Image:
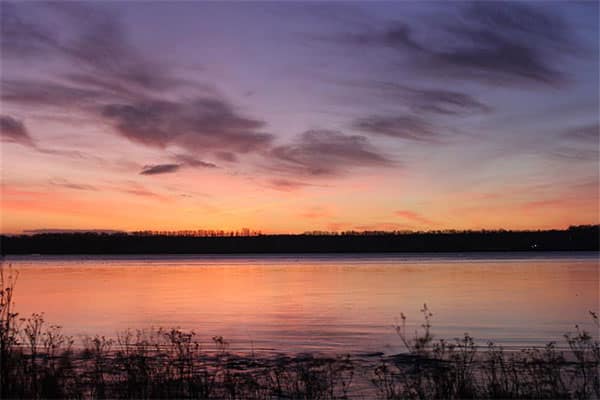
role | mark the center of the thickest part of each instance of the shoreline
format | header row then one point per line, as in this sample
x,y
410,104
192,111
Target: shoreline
x,y
585,238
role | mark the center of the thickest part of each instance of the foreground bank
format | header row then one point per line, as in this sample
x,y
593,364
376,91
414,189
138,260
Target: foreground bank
x,y
38,361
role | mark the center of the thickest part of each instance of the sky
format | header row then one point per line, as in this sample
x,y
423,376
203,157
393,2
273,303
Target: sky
x,y
293,117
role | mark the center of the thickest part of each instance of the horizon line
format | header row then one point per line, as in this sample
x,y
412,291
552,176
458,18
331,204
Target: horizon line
x,y
246,232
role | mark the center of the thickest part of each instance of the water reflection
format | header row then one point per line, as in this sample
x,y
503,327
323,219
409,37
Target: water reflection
x,y
313,303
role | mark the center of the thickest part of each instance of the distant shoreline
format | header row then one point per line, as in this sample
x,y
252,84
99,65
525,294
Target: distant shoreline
x,y
416,255
583,238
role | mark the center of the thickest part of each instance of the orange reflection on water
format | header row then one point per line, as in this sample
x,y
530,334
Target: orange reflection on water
x,y
313,303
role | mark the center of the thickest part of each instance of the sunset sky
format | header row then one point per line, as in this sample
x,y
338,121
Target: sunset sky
x,y
299,116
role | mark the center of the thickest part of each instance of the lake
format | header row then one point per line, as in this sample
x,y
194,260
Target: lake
x,y
315,303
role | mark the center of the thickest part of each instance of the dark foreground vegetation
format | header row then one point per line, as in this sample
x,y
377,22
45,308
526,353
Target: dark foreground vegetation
x,y
204,242
39,361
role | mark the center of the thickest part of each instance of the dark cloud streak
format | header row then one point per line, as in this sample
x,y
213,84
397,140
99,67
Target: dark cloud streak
x,y
14,130
439,101
421,100
407,127
70,185
193,162
326,153
200,124
491,42
159,169
287,185
48,94
589,132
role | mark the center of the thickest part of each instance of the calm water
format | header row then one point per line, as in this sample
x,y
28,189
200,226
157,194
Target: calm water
x,y
315,303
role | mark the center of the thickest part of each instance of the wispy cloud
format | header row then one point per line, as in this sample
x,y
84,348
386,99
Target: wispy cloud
x,y
142,192
159,169
441,101
48,94
193,161
14,130
490,42
226,156
316,212
200,124
287,185
99,46
115,83
72,185
408,127
414,217
589,132
326,153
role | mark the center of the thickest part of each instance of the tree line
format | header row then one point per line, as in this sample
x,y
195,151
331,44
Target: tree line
x,y
575,238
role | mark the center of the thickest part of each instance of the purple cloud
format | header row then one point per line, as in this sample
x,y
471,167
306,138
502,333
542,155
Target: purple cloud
x,y
13,130
408,127
159,169
324,152
200,124
491,42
